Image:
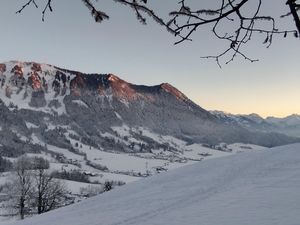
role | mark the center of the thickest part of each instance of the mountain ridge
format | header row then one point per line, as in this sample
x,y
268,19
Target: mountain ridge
x,y
62,103
289,125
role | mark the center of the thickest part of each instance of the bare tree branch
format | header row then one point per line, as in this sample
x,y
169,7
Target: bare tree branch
x,y
294,7
98,15
27,4
186,21
48,6
230,12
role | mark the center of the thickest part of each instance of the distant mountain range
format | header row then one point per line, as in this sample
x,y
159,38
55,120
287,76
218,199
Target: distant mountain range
x,y
41,103
289,125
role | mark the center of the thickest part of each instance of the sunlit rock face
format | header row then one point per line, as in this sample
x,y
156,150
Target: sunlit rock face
x,y
44,102
2,67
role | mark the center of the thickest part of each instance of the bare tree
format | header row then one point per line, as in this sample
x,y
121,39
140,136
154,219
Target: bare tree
x,y
48,191
21,185
41,181
243,20
51,195
32,189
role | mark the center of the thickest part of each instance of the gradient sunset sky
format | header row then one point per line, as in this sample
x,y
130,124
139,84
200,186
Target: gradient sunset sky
x,y
140,54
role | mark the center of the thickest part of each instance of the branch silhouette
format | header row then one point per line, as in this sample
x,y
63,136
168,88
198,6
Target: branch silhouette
x,y
185,21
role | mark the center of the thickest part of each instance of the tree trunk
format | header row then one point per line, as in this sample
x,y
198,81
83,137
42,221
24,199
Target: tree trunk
x,y
40,210
22,208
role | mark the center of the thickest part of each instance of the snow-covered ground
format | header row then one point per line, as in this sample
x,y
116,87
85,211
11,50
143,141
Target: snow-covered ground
x,y
257,187
128,167
124,168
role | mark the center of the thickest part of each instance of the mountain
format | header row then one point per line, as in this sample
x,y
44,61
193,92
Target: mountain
x,y
43,105
249,188
289,125
292,120
252,121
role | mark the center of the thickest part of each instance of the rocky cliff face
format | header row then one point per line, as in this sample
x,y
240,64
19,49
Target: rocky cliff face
x,y
41,103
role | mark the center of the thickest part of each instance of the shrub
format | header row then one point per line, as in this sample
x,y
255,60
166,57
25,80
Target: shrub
x,y
74,175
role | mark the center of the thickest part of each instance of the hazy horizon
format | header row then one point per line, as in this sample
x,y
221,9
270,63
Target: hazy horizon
x,y
146,55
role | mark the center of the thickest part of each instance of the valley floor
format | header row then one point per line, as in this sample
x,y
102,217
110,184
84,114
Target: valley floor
x,y
124,167
261,187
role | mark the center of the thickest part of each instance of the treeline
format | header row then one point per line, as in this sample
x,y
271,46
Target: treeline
x,y
5,165
73,175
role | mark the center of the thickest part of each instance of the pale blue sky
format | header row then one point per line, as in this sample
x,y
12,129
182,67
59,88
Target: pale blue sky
x,y
141,54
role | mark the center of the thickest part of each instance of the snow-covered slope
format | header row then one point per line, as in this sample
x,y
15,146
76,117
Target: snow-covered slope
x,y
260,187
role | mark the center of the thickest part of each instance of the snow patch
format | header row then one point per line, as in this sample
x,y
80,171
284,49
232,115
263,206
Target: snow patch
x,y
30,125
118,116
80,103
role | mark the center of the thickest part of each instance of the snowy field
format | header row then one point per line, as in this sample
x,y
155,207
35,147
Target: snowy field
x,y
128,167
125,167
257,187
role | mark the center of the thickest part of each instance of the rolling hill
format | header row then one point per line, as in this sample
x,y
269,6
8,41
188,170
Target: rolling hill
x,y
259,187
